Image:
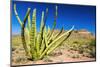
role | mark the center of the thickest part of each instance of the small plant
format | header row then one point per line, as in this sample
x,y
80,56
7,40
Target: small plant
x,y
89,49
92,47
40,44
75,56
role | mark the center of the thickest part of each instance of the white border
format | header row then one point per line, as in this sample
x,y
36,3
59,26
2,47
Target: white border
x,y
84,2
5,32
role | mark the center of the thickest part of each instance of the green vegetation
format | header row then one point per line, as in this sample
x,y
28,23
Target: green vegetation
x,y
83,46
37,45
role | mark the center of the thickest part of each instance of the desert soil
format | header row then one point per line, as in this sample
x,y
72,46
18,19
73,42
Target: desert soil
x,y
58,56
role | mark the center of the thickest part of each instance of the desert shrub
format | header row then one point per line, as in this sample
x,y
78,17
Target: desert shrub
x,y
56,52
20,59
75,31
93,42
76,42
75,55
89,51
76,46
93,52
92,47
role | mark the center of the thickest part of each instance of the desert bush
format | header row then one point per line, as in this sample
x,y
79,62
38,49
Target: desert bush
x,y
75,31
80,46
20,59
76,46
92,47
92,42
55,53
89,51
75,55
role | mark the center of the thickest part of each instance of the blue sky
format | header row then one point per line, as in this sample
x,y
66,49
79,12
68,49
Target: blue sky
x,y
82,17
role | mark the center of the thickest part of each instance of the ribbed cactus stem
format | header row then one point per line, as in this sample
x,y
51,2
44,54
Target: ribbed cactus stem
x,y
54,24
58,34
42,21
33,35
54,42
46,15
41,30
55,46
22,33
29,23
27,30
45,37
56,11
20,22
37,45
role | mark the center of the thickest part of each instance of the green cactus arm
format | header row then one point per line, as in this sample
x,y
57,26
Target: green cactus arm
x,y
42,47
54,36
15,11
54,42
45,37
22,33
44,43
37,44
48,31
29,23
42,21
56,11
33,29
43,27
27,14
33,35
45,18
50,39
27,29
51,33
59,43
54,24
20,22
58,34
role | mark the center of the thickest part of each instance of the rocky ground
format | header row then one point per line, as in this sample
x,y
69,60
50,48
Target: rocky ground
x,y
58,56
77,48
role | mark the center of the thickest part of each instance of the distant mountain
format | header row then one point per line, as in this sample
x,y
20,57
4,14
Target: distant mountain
x,y
82,33
76,34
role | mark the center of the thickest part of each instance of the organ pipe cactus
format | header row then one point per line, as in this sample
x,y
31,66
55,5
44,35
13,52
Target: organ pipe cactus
x,y
44,42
